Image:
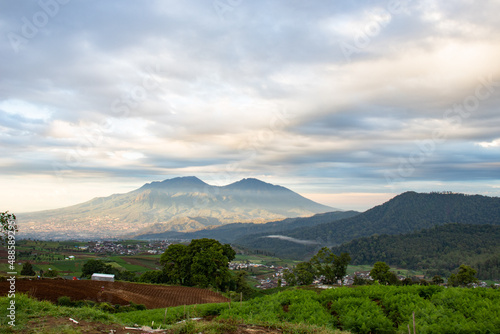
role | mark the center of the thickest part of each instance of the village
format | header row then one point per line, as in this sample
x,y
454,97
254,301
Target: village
x,y
273,277
119,248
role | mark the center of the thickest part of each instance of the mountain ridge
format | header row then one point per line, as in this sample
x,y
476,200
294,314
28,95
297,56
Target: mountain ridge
x,y
177,204
405,213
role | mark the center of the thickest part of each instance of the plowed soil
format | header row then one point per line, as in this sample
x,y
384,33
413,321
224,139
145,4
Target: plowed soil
x,y
152,296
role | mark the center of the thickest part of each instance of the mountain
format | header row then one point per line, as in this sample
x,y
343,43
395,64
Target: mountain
x,y
404,213
231,232
178,204
441,249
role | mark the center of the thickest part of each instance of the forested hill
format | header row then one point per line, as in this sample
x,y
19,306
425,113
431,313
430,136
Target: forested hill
x,y
231,232
445,247
404,213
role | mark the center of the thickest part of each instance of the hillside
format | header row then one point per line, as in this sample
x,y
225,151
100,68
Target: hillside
x,y
231,232
178,204
445,247
404,213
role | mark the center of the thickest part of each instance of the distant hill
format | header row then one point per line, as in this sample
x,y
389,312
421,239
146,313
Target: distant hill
x,y
231,232
404,213
445,247
178,204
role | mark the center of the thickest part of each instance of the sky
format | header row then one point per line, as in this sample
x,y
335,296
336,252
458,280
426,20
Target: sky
x,y
347,103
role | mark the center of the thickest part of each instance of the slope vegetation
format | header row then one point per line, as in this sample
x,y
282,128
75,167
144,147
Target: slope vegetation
x,y
445,247
405,213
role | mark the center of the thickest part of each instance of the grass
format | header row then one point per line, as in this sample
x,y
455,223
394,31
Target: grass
x,y
263,259
173,315
118,261
30,309
367,309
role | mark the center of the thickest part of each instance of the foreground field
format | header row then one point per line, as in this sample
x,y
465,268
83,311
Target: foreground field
x,y
152,296
368,309
33,317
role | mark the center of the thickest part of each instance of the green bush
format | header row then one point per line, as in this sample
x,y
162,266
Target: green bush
x,y
65,301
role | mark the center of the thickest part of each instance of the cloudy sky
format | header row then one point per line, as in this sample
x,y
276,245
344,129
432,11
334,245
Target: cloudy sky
x,y
348,103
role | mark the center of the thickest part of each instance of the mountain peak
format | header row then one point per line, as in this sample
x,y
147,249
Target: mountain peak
x,y
176,183
253,184
184,179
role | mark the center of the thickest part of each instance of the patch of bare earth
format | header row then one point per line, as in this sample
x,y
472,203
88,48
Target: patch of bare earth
x,y
150,295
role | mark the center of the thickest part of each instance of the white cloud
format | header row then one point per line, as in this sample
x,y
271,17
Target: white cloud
x,y
494,143
263,90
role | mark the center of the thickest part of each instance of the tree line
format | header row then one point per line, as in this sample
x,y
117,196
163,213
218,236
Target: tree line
x,y
439,250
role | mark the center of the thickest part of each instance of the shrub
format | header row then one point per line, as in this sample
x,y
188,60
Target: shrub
x,y
65,301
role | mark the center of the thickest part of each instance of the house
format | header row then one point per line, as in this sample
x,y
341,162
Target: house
x,y
103,277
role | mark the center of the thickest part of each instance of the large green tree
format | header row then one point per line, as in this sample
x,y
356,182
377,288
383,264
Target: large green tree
x,y
204,262
465,276
380,272
330,266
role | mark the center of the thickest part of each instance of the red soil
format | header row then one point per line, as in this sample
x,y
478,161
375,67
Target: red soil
x,y
152,296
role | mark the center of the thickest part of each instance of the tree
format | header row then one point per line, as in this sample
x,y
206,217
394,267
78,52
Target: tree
x,y
436,280
332,267
465,276
380,272
323,263
340,265
27,269
51,273
8,226
154,276
177,264
204,262
241,284
96,266
289,277
304,273
126,275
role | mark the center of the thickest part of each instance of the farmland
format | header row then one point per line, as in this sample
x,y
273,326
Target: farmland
x,y
372,309
368,309
68,257
122,293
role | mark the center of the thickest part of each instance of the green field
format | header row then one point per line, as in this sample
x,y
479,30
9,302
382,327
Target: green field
x,y
52,254
266,260
371,309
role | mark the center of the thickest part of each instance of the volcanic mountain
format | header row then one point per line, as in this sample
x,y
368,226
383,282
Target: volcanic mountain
x,y
178,204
